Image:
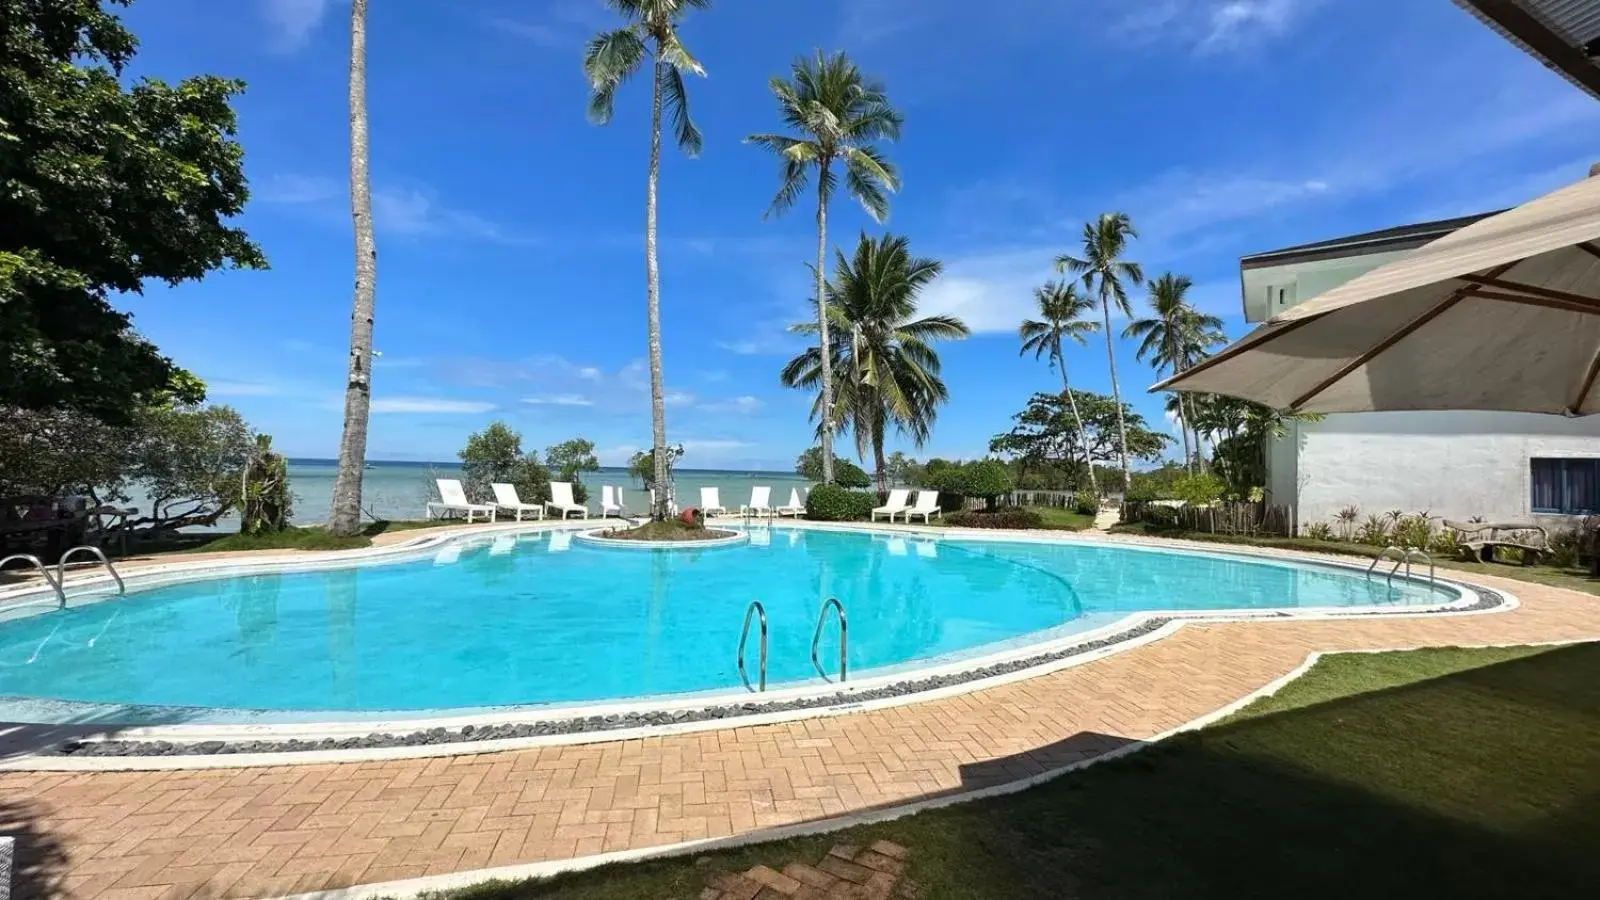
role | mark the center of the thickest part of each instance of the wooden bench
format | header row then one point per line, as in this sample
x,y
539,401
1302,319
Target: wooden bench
x,y
1478,540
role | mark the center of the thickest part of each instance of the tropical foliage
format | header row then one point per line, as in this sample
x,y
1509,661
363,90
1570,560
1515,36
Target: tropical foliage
x,y
1046,434
612,57
1062,318
833,503
845,473
840,115
881,348
109,182
1106,275
1174,337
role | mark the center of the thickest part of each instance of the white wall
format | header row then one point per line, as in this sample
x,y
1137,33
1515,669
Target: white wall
x,y
1452,464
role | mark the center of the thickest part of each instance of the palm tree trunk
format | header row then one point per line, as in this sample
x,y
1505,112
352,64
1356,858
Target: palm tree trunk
x,y
1116,397
1083,436
345,515
877,454
652,272
822,325
1183,428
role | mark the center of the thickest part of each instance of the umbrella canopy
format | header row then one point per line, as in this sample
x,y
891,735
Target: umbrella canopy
x,y
1503,314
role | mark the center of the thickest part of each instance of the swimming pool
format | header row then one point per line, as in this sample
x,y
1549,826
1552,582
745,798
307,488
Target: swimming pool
x,y
536,618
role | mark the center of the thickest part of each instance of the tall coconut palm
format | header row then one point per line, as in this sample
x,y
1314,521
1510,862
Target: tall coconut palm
x,y
345,515
611,58
841,114
889,372
1175,337
1062,317
1104,271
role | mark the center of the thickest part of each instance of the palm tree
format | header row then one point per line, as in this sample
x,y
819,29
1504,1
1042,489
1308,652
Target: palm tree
x,y
1103,271
889,372
1062,315
1174,338
841,113
344,517
611,58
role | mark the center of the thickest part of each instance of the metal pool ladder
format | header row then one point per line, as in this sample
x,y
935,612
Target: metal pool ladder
x,y
844,637
51,580
1401,556
61,566
755,609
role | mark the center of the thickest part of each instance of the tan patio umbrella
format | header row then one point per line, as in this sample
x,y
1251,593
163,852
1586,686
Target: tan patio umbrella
x,y
1503,314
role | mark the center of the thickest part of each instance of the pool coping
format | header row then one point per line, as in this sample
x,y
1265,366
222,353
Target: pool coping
x,y
692,713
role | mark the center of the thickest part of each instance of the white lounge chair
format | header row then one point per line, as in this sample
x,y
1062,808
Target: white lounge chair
x,y
794,507
760,502
610,501
710,503
894,506
453,498
927,506
561,500
505,497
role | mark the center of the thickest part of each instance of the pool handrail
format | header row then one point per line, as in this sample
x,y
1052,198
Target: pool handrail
x,y
755,608
61,565
37,564
844,637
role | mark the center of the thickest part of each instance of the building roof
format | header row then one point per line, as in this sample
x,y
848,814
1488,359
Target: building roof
x,y
1562,34
1384,240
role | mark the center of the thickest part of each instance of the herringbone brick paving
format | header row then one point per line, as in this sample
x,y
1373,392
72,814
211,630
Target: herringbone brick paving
x,y
273,831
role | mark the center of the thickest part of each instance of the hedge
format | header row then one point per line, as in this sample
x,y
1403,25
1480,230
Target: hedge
x,y
1007,517
831,503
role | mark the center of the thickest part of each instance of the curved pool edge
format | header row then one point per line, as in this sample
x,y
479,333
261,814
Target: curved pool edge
x,y
437,734
731,538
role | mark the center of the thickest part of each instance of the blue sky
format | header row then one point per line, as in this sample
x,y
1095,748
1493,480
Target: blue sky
x,y
511,276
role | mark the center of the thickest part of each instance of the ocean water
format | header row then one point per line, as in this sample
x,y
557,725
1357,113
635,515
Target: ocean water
x,y
398,490
542,617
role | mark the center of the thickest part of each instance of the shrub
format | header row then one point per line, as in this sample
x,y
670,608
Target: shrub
x,y
1443,542
831,503
1008,517
1088,504
1374,531
1199,490
1564,546
846,474
1319,531
1413,531
986,478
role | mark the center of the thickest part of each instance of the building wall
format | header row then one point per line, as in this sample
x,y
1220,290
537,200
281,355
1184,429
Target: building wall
x,y
1451,464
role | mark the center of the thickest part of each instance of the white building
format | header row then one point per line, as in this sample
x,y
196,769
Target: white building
x,y
1501,466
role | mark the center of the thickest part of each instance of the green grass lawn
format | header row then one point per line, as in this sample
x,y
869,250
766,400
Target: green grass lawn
x,y
1573,577
1433,773
313,537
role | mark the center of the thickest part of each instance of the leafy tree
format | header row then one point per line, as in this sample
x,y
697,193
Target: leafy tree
x,y
1062,317
846,474
610,59
344,517
190,461
900,467
54,452
1046,432
106,185
884,352
986,478
495,455
1174,338
643,465
570,458
841,114
1103,271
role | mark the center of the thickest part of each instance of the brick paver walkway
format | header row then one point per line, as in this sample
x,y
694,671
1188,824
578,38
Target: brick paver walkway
x,y
271,831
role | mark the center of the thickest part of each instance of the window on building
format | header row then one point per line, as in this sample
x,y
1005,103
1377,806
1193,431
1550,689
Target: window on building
x,y
1566,486
1280,297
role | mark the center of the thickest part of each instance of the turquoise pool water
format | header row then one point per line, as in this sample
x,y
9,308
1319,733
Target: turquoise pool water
x,y
541,619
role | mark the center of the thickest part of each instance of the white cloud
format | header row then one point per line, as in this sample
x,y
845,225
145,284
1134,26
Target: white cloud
x,y
559,400
768,338
225,388
1211,26
590,373
714,447
403,211
293,21
677,398
561,25
428,405
745,404
990,292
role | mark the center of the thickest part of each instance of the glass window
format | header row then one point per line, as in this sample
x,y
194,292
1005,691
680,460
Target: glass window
x,y
1566,486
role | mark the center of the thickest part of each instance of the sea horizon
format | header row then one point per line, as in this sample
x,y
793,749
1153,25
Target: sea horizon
x,y
456,464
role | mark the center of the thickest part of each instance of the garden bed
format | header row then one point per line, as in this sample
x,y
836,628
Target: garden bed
x,y
666,530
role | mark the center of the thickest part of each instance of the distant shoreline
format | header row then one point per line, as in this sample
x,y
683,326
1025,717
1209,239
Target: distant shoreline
x,y
456,464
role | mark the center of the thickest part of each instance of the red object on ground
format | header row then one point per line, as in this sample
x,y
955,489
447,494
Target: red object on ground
x,y
688,516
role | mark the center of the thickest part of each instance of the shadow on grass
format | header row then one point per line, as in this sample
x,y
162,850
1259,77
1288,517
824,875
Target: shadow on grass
x,y
1483,783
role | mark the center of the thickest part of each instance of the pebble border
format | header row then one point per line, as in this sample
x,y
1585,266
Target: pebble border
x,y
1486,600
